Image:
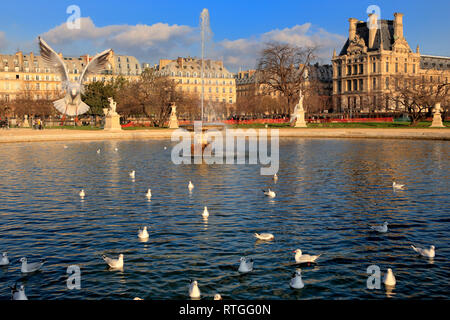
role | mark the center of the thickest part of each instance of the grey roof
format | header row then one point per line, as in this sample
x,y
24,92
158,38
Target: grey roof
x,y
434,62
384,36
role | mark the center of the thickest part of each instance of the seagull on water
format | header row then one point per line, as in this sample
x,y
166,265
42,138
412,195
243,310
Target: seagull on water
x,y
82,194
115,149
205,213
132,174
383,228
389,278
18,293
429,253
264,236
98,151
397,186
4,261
275,177
269,193
30,267
194,291
304,258
246,265
114,263
190,186
149,193
143,233
217,296
137,298
296,280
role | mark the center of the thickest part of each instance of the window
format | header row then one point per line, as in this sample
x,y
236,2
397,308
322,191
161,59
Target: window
x,y
374,83
361,69
374,67
414,68
387,83
396,67
339,86
355,71
349,85
339,70
355,85
361,84
387,66
349,70
406,68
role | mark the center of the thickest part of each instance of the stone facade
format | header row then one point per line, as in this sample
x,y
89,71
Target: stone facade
x,y
219,85
26,72
370,57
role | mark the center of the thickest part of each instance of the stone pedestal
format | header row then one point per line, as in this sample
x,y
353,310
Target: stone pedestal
x,y
437,119
300,120
173,120
112,122
25,124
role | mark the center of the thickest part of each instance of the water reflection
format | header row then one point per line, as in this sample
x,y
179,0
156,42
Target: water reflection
x,y
328,192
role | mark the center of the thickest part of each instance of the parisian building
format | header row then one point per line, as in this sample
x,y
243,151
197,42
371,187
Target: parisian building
x,y
370,58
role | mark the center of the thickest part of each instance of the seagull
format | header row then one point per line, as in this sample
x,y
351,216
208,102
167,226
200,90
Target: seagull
x,y
245,266
296,282
71,104
190,186
165,148
143,233
65,147
205,213
4,261
217,296
383,228
264,236
149,193
115,149
137,298
397,186
82,194
30,267
132,174
275,177
429,253
114,263
98,151
304,258
389,278
18,294
194,291
269,193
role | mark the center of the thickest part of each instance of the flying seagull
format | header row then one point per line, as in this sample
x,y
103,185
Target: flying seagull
x,y
71,104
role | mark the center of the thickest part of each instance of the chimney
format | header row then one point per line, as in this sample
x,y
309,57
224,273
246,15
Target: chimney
x,y
373,27
398,25
180,62
352,28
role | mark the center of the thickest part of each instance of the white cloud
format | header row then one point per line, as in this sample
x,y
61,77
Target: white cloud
x,y
245,52
149,43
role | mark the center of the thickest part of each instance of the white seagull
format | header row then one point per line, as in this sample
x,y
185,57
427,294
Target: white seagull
x,y
115,149
296,280
190,186
245,266
143,233
264,236
82,193
304,258
275,177
132,174
205,213
269,193
194,291
383,228
114,263
30,267
4,261
98,151
429,253
397,186
149,193
18,293
217,296
389,278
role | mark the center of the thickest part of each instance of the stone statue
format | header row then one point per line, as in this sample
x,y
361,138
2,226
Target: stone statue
x,y
437,118
112,105
173,120
299,113
112,118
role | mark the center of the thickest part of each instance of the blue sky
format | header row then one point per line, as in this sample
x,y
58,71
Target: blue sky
x,y
151,30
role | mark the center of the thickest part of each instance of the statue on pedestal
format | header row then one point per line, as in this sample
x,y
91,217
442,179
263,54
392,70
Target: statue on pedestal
x,y
112,118
437,119
173,120
25,124
299,114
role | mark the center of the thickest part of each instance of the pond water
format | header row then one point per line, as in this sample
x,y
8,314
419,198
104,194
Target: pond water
x,y
329,191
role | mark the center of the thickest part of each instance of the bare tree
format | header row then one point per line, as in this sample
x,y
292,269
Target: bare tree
x,y
417,94
282,68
